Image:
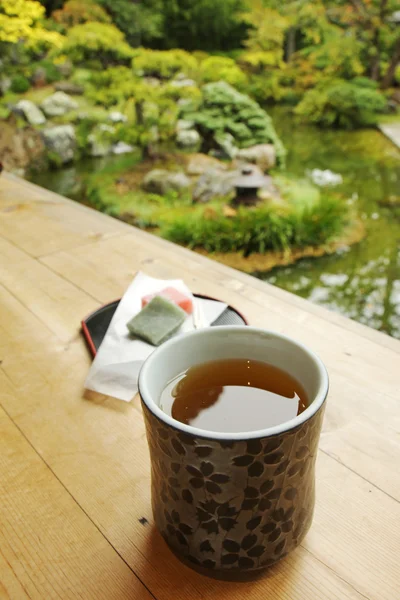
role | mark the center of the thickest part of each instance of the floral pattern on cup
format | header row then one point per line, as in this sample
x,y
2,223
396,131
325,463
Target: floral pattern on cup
x,y
233,505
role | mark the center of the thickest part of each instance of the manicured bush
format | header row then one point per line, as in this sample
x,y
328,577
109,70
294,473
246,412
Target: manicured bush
x,y
221,68
163,64
224,110
340,103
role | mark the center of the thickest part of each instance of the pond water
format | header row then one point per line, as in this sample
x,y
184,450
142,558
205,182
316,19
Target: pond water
x,y
361,282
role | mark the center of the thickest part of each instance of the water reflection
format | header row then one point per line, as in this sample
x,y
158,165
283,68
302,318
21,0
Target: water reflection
x,y
362,282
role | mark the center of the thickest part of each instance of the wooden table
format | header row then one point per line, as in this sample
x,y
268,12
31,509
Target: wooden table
x,y
75,516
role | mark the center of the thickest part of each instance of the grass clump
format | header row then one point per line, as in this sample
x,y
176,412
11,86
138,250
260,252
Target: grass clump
x,y
261,229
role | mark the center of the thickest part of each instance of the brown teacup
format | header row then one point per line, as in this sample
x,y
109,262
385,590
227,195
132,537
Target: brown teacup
x,y
230,503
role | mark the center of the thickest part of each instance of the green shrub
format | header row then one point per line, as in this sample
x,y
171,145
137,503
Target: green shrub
x,y
75,12
220,68
19,84
224,110
261,229
97,41
258,62
163,64
340,103
52,73
111,86
189,92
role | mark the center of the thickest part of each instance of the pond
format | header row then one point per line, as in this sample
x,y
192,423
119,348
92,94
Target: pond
x,y
361,282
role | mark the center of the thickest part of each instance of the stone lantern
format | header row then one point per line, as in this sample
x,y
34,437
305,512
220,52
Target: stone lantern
x,y
247,184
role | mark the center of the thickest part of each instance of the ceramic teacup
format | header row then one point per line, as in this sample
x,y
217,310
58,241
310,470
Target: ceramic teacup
x,y
233,502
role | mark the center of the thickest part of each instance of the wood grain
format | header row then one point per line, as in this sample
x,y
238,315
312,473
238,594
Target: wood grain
x,y
94,482
48,547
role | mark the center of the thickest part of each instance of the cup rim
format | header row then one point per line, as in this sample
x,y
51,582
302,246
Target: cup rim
x,y
306,415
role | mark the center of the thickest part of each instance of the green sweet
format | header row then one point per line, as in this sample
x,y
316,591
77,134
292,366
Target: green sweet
x,y
157,321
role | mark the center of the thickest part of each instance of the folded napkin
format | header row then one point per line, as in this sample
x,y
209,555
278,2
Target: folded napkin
x,y
115,369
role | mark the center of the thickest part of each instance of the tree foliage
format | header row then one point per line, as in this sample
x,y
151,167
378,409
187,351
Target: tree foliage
x,y
142,22
99,42
340,103
204,24
21,21
75,12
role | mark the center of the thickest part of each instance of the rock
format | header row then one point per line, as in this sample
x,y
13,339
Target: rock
x,y
263,155
39,77
184,103
325,177
122,148
65,68
188,138
214,183
227,144
20,147
181,83
117,117
201,163
183,125
100,140
31,112
58,104
5,84
161,181
69,88
61,141
153,81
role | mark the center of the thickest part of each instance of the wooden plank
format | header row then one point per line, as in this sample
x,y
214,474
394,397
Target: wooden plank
x,y
48,547
55,301
98,451
40,222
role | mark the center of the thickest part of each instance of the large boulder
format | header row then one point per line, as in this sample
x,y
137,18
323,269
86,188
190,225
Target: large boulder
x,y
161,181
117,117
20,147
100,140
188,138
58,104
61,142
263,155
65,68
5,84
31,112
123,148
226,145
183,125
69,88
201,163
214,183
182,83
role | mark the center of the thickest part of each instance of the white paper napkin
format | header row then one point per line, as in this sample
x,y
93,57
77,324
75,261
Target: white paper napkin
x,y
115,369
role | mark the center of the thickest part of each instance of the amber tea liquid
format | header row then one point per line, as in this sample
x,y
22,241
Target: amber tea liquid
x,y
233,395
